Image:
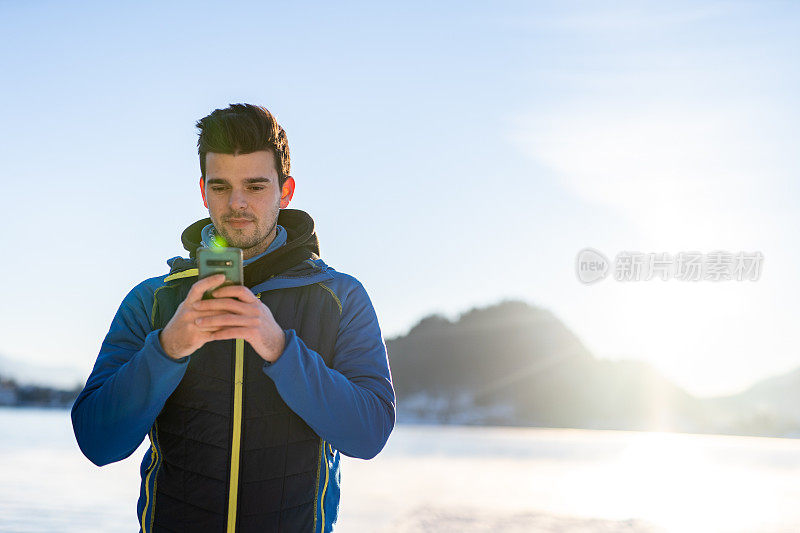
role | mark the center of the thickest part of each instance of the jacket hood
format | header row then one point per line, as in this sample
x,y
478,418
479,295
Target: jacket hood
x,y
301,244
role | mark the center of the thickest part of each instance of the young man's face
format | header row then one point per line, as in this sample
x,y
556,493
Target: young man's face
x,y
243,198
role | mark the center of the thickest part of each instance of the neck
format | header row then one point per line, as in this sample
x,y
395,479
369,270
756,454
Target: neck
x,y
261,247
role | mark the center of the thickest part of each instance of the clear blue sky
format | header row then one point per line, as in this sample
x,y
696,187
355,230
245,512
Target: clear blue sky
x,y
452,155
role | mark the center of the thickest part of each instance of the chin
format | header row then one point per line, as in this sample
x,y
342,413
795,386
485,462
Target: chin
x,y
245,244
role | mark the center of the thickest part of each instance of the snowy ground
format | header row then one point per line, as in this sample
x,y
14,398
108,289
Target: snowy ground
x,y
454,479
429,519
526,479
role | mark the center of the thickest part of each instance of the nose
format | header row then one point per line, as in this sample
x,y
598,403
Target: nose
x,y
237,201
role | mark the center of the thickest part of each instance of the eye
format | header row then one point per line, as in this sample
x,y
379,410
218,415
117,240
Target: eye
x,y
257,188
218,188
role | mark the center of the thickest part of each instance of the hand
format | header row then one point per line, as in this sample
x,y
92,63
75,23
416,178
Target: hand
x,y
181,336
236,313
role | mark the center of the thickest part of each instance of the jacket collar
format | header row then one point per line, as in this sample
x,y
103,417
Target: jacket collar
x,y
297,259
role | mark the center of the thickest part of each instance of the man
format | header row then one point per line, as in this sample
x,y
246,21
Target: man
x,y
248,398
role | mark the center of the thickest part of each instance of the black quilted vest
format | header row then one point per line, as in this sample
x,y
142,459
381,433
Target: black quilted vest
x,y
278,475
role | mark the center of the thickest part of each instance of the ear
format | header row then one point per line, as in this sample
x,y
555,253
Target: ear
x,y
287,191
203,191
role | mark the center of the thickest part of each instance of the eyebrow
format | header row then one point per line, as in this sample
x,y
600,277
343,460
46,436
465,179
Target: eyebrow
x,y
223,181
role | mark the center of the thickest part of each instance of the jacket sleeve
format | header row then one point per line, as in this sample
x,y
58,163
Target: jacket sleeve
x,y
131,380
351,405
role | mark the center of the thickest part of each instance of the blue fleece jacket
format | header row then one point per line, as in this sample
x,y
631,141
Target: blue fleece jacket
x,y
351,405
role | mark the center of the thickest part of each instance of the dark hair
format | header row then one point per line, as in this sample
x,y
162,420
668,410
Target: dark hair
x,y
243,129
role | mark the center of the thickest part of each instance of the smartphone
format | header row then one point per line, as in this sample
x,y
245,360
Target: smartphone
x,y
226,261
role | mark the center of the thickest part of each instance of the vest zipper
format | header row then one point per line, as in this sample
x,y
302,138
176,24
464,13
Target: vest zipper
x,y
236,441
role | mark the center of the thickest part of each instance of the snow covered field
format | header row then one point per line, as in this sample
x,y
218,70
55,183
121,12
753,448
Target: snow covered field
x,y
443,479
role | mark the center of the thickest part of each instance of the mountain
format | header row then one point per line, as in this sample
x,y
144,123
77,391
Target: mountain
x,y
517,364
770,407
513,363
13,394
24,372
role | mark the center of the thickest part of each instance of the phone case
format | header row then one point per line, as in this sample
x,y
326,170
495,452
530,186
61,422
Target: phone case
x,y
226,261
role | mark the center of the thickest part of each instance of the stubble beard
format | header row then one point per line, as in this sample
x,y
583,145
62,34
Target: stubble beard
x,y
252,244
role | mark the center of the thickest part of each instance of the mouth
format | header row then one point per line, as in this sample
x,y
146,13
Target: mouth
x,y
239,222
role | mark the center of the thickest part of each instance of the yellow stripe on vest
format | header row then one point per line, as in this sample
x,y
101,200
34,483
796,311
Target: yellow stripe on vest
x,y
324,487
153,460
236,443
184,274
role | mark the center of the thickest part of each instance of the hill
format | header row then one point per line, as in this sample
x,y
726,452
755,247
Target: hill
x,y
517,364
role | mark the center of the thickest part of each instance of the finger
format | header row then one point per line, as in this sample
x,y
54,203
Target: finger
x,y
229,305
201,286
226,320
231,333
194,314
209,330
236,291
